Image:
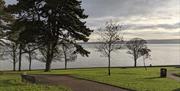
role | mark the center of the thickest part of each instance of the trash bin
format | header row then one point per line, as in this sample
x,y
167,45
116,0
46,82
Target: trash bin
x,y
163,72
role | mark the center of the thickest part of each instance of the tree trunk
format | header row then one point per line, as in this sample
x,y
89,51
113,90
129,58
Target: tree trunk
x,y
20,53
30,61
65,62
14,60
48,63
48,66
109,60
14,65
144,63
65,57
135,58
135,62
49,58
109,64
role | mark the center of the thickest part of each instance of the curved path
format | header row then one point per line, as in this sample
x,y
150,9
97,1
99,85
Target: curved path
x,y
173,76
76,84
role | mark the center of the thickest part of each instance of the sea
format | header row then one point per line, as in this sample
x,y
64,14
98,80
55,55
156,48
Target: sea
x,y
161,54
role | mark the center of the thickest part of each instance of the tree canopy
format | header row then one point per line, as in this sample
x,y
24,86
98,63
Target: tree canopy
x,y
109,38
138,47
46,22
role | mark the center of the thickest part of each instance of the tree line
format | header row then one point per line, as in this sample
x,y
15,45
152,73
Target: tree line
x,y
49,27
53,28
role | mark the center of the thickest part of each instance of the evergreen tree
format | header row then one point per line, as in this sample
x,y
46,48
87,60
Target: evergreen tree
x,y
45,22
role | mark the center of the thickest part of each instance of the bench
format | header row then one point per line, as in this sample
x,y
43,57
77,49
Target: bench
x,y
28,78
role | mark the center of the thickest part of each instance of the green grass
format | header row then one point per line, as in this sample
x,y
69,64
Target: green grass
x,y
133,78
12,82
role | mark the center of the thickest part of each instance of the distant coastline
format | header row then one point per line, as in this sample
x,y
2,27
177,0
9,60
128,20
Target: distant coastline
x,y
154,41
167,41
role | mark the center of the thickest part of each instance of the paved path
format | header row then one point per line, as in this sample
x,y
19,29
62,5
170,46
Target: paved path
x,y
76,84
173,76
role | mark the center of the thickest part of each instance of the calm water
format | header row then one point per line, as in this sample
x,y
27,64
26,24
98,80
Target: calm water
x,y
162,54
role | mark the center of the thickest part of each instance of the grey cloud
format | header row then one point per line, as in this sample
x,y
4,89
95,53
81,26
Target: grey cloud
x,y
163,26
100,11
97,23
152,34
177,33
100,8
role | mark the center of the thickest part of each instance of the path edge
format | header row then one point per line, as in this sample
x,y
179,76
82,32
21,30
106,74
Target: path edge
x,y
81,78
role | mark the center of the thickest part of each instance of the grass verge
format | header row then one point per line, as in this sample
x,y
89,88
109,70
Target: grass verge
x,y
133,78
12,82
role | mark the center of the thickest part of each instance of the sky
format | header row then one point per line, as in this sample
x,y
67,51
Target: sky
x,y
148,19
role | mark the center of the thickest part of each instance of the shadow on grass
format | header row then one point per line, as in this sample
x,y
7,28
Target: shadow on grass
x,y
127,73
177,89
153,78
8,83
178,66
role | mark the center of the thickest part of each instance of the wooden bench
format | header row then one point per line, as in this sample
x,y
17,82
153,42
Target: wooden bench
x,y
28,78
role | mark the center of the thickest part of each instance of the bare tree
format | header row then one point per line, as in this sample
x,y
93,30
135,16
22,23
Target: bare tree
x,y
14,55
137,47
145,53
64,52
30,49
10,52
68,53
110,36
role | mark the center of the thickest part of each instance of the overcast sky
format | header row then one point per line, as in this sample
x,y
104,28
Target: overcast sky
x,y
148,19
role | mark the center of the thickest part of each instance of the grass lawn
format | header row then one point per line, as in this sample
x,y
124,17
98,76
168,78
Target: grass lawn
x,y
12,82
178,74
133,78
